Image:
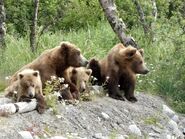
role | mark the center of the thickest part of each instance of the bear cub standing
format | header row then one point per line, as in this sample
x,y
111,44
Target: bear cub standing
x,y
118,69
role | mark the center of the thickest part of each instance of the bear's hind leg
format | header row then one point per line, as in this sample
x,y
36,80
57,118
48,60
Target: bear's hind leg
x,y
112,86
128,86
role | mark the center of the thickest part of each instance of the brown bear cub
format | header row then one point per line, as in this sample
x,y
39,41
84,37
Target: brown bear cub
x,y
29,86
53,62
78,77
118,70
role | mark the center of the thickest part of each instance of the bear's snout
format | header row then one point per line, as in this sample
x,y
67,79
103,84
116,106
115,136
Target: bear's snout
x,y
31,92
31,95
84,61
146,71
82,87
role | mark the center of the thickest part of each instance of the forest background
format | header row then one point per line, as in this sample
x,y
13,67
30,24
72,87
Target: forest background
x,y
158,26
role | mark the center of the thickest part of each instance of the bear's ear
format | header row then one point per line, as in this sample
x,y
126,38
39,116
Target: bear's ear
x,y
64,45
74,71
36,73
130,52
88,71
141,52
20,76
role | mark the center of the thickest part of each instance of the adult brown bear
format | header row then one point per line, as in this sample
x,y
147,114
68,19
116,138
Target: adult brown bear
x,y
118,70
53,62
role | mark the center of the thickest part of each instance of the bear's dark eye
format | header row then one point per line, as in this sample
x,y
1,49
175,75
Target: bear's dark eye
x,y
32,85
78,52
141,62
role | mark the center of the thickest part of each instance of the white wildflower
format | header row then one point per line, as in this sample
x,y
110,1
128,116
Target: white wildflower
x,y
107,78
61,80
7,77
53,77
15,92
49,82
56,93
66,86
95,79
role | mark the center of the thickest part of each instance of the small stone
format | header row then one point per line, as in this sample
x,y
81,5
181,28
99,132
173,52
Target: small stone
x,y
135,130
25,135
126,136
168,111
36,137
59,116
98,136
120,137
183,131
126,111
58,137
178,133
105,116
172,125
99,119
155,135
175,118
170,137
74,134
156,129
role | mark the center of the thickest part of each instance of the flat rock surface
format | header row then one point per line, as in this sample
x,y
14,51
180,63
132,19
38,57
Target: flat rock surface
x,y
86,119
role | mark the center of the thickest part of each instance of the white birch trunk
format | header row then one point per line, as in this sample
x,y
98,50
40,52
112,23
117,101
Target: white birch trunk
x,y
116,23
154,10
2,25
33,34
19,107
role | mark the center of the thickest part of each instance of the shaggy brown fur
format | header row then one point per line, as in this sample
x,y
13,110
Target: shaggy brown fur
x,y
78,77
53,62
29,86
119,68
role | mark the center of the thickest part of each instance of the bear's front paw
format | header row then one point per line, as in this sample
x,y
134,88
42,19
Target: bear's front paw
x,y
40,110
132,99
117,97
76,95
25,99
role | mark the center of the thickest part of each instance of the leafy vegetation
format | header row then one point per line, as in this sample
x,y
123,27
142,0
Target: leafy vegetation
x,y
82,22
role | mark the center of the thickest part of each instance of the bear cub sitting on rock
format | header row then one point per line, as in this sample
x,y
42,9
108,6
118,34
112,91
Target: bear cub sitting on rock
x,y
118,70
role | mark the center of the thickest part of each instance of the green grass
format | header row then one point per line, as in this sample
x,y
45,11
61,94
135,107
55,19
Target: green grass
x,y
164,56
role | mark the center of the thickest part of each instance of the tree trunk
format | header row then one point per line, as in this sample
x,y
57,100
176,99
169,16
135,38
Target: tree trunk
x,y
142,16
2,25
33,34
116,23
154,9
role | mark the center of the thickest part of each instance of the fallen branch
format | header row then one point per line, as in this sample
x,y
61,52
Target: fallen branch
x,y
5,100
19,107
